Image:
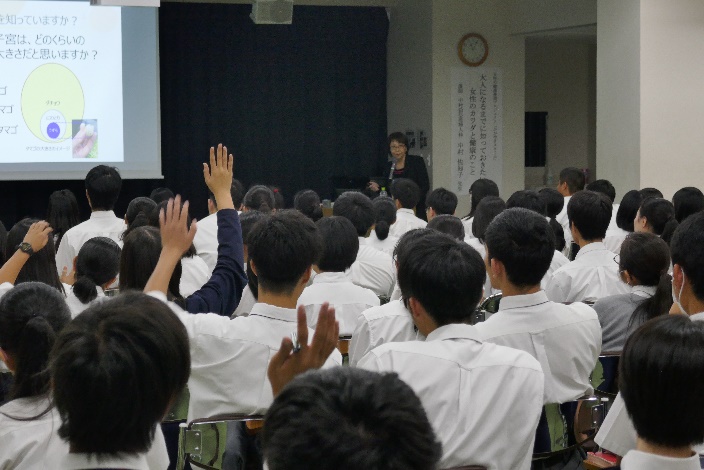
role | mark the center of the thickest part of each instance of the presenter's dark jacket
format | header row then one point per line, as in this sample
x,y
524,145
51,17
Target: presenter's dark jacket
x,y
415,170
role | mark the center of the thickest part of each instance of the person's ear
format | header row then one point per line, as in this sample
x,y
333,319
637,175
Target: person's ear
x,y
575,233
306,275
677,278
8,360
254,268
417,310
211,206
88,197
398,204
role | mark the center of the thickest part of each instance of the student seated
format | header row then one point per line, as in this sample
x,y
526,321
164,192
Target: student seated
x,y
259,198
486,211
571,181
566,339
440,201
389,323
470,389
406,195
230,357
687,249
333,284
594,273
159,195
95,268
307,202
662,381
625,217
643,266
384,218
347,418
479,189
449,225
656,215
607,189
554,202
249,294
131,346
103,184
687,201
62,213
372,269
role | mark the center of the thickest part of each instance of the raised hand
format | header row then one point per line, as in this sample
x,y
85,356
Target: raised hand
x,y
218,176
38,235
173,222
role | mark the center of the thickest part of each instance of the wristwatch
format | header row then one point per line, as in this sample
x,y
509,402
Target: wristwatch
x,y
25,247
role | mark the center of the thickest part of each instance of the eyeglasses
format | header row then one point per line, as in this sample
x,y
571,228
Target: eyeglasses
x,y
397,147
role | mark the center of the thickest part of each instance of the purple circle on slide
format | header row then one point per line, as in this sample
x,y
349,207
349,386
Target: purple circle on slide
x,y
53,130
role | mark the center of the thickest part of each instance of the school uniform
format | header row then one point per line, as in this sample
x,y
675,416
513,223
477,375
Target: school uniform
x,y
390,323
564,221
76,306
348,299
614,239
406,221
558,260
591,276
100,224
467,222
373,269
246,303
565,339
387,245
638,460
229,358
478,396
194,274
102,461
615,314
206,240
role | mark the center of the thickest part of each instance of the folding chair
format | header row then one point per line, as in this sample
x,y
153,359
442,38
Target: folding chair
x,y
486,309
604,377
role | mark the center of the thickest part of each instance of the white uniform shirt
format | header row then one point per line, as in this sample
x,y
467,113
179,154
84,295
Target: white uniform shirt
x,y
479,397
564,221
468,235
246,303
92,461
566,340
591,276
617,433
194,274
390,323
373,269
35,444
406,221
100,224
558,261
614,239
206,240
229,358
349,300
76,306
387,246
612,223
637,460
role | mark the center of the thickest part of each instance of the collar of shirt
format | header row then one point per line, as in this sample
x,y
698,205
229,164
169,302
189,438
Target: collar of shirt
x,y
697,316
82,461
639,460
273,312
592,247
407,212
332,277
454,331
103,215
523,301
644,291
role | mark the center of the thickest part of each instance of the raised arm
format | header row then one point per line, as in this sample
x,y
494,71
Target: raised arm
x,y
37,237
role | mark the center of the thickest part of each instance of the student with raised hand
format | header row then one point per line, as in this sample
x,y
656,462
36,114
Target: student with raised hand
x,y
333,284
148,257
387,323
406,195
571,181
657,216
625,217
440,201
95,268
40,263
372,269
662,381
230,357
687,249
384,218
479,189
643,266
687,201
566,339
441,282
594,272
103,184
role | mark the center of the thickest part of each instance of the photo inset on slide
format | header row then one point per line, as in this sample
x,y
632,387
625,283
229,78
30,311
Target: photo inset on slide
x,y
85,138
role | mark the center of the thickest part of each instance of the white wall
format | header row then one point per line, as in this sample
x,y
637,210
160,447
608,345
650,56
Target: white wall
x,y
451,20
560,80
529,16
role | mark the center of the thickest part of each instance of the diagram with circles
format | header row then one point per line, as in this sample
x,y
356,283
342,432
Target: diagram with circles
x,y
52,98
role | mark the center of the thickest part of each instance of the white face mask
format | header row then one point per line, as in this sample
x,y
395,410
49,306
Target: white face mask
x,y
676,300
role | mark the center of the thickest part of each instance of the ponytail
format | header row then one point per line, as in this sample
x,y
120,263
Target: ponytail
x,y
260,198
85,289
384,216
658,304
97,263
382,229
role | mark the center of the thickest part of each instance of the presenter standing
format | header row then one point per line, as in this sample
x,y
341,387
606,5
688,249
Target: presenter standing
x,y
405,166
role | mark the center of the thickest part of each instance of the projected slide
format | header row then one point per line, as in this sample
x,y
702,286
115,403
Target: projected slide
x,y
60,82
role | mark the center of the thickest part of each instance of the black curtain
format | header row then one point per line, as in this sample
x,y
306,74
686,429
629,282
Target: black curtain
x,y
296,104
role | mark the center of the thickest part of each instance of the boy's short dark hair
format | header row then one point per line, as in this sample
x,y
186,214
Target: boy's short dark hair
x,y
281,247
446,276
159,195
554,201
651,192
346,418
524,242
357,208
603,187
247,221
405,191
442,201
236,192
687,250
103,184
574,179
340,244
590,213
527,199
116,368
661,379
449,225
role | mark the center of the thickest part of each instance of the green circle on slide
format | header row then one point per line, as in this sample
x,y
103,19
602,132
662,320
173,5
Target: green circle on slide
x,y
52,87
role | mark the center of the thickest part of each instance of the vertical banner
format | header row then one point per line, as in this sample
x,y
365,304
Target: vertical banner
x,y
477,126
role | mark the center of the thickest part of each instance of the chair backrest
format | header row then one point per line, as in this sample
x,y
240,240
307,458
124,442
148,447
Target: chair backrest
x,y
604,377
179,410
203,442
384,299
486,309
343,345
